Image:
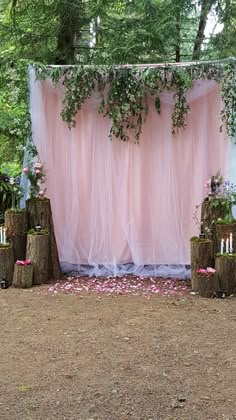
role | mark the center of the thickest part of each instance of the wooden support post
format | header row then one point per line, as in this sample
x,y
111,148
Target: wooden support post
x,y
23,276
201,257
6,263
37,251
16,225
225,266
39,213
206,286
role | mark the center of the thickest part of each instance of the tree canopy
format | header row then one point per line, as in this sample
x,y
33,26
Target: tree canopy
x,y
100,32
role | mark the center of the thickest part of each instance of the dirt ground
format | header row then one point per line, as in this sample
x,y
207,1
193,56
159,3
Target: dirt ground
x,y
116,357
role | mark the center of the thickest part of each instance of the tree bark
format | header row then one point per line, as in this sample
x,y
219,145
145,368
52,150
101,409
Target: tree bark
x,y
206,286
39,213
206,6
209,216
23,276
226,269
201,257
16,225
6,263
177,47
37,251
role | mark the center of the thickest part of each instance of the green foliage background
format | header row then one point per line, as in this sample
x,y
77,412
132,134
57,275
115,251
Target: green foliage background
x,y
98,32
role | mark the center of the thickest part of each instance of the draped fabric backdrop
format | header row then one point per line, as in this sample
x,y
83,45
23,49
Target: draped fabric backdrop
x,y
121,207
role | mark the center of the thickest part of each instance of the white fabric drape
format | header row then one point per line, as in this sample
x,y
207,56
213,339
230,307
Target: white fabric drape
x,y
116,204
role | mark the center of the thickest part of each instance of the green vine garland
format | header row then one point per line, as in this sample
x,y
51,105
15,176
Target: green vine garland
x,y
123,91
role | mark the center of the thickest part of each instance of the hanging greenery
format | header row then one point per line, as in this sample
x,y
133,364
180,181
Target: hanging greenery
x,y
123,92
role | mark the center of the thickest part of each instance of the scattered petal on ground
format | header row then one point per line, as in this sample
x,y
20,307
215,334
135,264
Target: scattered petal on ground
x,y
127,285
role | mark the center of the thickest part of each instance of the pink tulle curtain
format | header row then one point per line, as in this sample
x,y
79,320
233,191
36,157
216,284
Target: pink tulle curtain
x,y
116,203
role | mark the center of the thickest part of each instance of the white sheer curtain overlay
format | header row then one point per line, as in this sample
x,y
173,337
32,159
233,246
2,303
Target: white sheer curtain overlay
x,y
116,203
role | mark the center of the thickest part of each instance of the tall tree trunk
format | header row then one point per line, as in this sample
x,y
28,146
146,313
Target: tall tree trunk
x,y
70,15
206,6
177,48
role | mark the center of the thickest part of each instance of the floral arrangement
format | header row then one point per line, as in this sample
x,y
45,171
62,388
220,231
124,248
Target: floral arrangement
x,y
226,198
36,176
206,272
214,183
10,187
221,194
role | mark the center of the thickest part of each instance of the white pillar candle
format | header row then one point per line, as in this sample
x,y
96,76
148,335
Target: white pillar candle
x,y
4,236
227,246
222,246
231,242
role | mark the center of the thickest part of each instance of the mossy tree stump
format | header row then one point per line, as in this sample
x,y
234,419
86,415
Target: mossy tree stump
x,y
6,263
206,286
37,251
201,257
40,213
16,225
225,266
223,231
209,216
23,276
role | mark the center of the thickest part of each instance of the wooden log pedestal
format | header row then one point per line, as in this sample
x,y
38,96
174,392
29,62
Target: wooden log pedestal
x,y
206,286
6,263
37,251
201,257
40,213
223,231
225,266
209,216
23,276
16,225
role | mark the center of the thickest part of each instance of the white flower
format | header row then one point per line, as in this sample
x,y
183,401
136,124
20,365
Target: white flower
x,y
11,181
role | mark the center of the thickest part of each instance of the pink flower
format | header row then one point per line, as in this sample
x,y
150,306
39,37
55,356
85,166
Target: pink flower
x,y
26,262
211,270
26,170
38,165
38,171
216,181
201,270
42,193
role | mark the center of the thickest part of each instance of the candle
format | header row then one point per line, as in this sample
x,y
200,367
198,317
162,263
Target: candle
x,y
227,246
222,246
231,242
4,236
1,235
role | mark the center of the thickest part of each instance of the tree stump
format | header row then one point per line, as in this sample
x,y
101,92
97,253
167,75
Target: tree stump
x,y
206,286
201,257
223,232
37,251
6,263
23,276
16,225
40,213
209,216
225,266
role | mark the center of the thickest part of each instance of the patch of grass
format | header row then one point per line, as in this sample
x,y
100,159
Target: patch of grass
x,y
8,245
16,211
24,388
226,255
36,232
197,239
